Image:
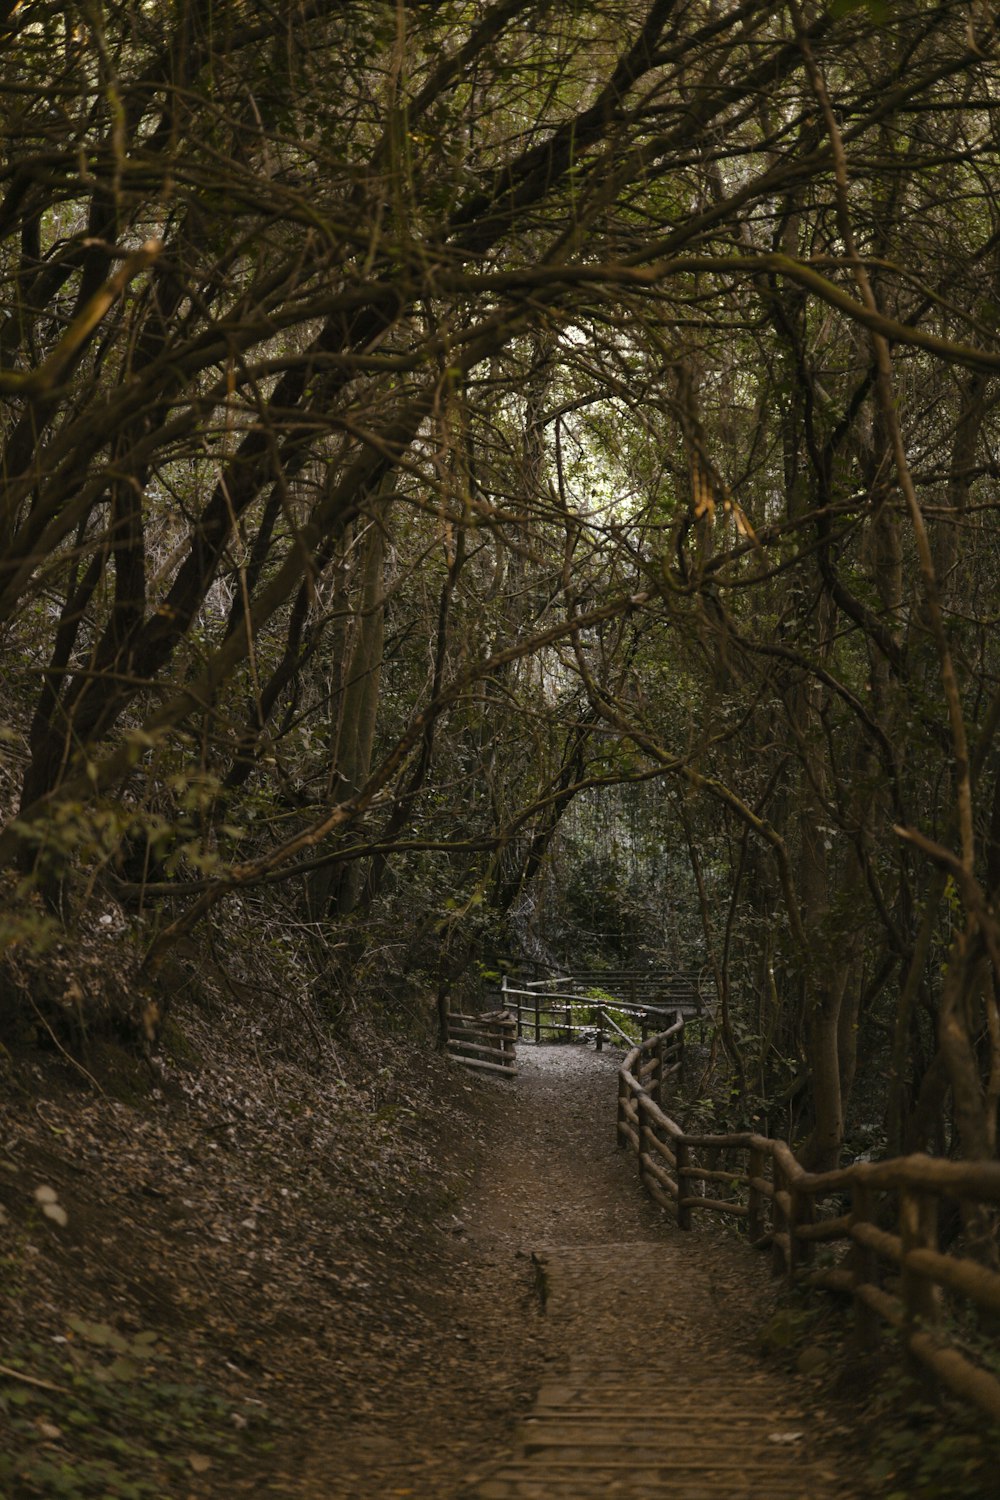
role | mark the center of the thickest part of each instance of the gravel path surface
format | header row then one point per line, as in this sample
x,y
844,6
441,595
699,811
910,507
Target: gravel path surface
x,y
547,1180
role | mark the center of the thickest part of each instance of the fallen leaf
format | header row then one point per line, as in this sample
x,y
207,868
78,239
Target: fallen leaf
x,y
784,1437
199,1463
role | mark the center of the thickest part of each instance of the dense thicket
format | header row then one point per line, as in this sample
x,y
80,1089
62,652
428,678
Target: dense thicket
x,y
421,420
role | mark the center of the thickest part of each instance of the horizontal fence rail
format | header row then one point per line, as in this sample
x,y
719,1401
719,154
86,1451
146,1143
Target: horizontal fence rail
x,y
547,1013
484,1042
900,1277
665,989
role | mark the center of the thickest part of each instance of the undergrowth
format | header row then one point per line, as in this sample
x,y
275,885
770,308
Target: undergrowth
x,y
915,1441
100,1413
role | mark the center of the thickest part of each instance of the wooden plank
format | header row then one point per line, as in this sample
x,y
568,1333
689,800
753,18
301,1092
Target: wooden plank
x,y
889,1246
652,1109
718,1206
476,1047
607,1021
659,1196
657,1172
959,1374
662,1149
487,1067
481,1024
977,1282
831,1278
978,1181
705,1175
887,1306
731,1142
825,1229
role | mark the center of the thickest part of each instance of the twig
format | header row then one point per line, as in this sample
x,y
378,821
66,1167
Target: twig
x,y
68,1055
43,1385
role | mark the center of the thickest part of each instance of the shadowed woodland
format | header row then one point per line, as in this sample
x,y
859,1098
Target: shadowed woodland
x,y
503,482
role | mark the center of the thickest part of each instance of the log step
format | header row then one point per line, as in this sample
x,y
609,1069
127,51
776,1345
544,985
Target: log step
x,y
654,1417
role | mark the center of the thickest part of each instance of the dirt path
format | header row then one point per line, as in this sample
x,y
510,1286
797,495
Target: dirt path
x,y
451,1420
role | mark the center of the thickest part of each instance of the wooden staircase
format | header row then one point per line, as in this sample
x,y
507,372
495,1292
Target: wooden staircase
x,y
640,1411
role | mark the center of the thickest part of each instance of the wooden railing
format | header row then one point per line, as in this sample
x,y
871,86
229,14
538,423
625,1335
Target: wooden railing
x,y
902,1278
660,989
485,1042
548,1014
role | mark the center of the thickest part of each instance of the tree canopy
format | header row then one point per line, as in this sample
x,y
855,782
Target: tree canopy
x,y
460,459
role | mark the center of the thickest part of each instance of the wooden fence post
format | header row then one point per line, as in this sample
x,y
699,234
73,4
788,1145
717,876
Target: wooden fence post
x,y
505,1004
713,1159
538,1017
918,1213
508,1032
779,1218
640,1126
755,1198
682,1156
863,1269
600,1028
661,1048
801,1212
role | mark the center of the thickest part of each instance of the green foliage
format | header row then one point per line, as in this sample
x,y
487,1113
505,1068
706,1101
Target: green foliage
x,y
24,926
931,1450
926,1444
880,11
120,1423
621,1018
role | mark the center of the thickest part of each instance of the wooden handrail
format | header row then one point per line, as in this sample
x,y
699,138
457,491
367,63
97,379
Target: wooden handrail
x,y
545,1012
783,1213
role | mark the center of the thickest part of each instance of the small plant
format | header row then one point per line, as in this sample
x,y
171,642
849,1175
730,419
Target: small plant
x,y
100,1414
931,1450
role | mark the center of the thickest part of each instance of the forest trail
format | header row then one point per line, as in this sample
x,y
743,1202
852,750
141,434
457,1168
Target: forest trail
x,y
704,1420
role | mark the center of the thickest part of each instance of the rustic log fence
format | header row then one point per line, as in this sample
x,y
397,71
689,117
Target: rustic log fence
x,y
665,987
548,1011
484,1042
905,1280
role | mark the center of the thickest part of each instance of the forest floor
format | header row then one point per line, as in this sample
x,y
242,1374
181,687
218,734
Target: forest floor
x,y
248,1276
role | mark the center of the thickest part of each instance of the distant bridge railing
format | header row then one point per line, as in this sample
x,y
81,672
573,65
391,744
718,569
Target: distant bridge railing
x,y
559,1009
664,989
904,1278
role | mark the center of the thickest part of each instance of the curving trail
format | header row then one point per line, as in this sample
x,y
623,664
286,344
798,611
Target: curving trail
x,y
638,1378
655,1389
